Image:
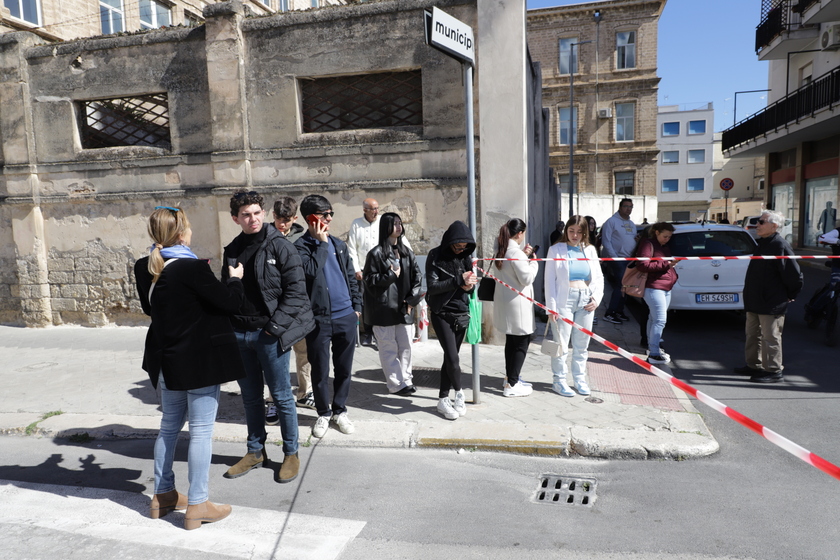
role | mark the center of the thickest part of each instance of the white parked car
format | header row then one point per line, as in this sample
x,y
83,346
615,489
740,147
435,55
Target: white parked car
x,y
710,284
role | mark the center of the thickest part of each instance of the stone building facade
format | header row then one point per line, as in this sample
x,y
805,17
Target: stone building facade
x,y
57,20
253,102
610,46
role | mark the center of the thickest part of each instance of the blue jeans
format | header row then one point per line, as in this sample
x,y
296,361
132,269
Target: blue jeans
x,y
262,357
199,406
617,298
658,302
574,310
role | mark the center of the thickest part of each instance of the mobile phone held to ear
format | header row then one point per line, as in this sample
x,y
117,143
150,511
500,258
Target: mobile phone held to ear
x,y
312,219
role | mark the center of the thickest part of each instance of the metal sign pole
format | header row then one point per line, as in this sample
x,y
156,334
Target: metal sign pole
x,y
468,108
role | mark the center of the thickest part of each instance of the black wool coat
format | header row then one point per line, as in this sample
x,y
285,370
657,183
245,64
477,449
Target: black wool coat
x,y
771,284
190,338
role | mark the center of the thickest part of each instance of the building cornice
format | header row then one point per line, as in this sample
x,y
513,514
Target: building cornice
x,y
586,8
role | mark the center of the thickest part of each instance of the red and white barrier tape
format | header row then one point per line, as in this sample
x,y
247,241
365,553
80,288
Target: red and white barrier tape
x,y
730,258
794,449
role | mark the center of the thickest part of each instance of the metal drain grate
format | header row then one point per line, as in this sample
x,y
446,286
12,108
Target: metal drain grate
x,y
558,489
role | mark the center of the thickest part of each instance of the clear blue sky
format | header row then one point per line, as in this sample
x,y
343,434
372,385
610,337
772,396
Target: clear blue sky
x,y
706,53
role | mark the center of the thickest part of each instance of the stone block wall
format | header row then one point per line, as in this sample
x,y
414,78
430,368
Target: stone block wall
x,y
74,220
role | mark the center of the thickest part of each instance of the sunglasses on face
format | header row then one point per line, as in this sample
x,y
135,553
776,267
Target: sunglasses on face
x,y
325,214
762,222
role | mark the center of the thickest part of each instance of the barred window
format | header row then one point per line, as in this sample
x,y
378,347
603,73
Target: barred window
x,y
142,120
385,100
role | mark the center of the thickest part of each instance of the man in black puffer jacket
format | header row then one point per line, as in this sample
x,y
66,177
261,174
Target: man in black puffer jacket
x,y
275,315
768,288
336,303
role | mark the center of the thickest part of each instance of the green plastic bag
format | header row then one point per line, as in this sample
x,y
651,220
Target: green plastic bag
x,y
474,328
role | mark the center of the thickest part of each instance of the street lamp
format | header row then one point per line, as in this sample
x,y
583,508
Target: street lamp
x,y
572,124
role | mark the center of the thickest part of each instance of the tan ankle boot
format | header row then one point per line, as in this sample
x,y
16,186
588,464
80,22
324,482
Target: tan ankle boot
x,y
206,512
246,463
167,502
289,469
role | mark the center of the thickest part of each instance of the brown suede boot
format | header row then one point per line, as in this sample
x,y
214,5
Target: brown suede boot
x,y
248,462
167,502
289,469
206,512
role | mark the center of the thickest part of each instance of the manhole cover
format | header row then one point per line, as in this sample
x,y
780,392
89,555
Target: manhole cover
x,y
594,400
560,489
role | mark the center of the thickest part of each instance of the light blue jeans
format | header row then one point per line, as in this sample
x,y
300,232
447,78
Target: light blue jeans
x,y
199,406
658,302
579,344
262,358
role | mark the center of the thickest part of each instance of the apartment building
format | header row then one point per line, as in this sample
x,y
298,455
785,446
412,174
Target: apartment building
x,y
600,85
684,168
798,133
58,20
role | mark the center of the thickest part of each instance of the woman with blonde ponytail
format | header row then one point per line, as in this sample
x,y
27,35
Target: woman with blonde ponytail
x,y
190,351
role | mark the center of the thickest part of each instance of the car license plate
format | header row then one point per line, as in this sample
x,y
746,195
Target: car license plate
x,y
717,298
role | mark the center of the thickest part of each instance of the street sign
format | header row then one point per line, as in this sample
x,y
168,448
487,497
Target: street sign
x,y
450,35
727,184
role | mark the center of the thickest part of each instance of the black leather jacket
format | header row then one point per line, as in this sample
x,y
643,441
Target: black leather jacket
x,y
387,295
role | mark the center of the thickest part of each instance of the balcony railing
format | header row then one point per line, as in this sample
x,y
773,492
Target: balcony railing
x,y
804,102
778,16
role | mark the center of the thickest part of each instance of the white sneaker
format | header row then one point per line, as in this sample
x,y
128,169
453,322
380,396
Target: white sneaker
x,y
445,407
582,387
343,423
319,429
654,359
460,404
518,390
562,388
522,381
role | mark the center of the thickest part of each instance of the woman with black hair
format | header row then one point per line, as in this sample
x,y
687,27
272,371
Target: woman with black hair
x,y
513,314
391,291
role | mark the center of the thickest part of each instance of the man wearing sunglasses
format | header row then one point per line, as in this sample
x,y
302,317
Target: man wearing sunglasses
x,y
275,315
337,303
769,286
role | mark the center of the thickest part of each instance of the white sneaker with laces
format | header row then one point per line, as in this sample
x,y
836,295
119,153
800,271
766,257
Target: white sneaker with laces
x,y
319,429
524,382
343,423
445,407
582,387
518,390
460,404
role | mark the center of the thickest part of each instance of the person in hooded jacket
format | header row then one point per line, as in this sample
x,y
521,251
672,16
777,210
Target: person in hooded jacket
x,y
392,281
450,280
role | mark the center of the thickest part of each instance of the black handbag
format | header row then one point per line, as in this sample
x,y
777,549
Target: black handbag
x,y
486,288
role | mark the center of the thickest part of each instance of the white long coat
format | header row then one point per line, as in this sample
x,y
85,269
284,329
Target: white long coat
x,y
557,277
513,314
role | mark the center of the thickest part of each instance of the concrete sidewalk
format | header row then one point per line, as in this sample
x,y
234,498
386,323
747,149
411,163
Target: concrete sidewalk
x,y
62,381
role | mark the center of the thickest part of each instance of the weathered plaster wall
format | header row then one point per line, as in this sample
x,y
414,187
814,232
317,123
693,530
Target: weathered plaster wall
x,y
74,220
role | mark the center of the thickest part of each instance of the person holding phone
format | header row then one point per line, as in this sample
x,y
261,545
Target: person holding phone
x,y
450,280
573,290
190,351
337,304
392,281
512,313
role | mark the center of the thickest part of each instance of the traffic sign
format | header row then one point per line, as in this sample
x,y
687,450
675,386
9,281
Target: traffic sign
x,y
727,184
450,35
